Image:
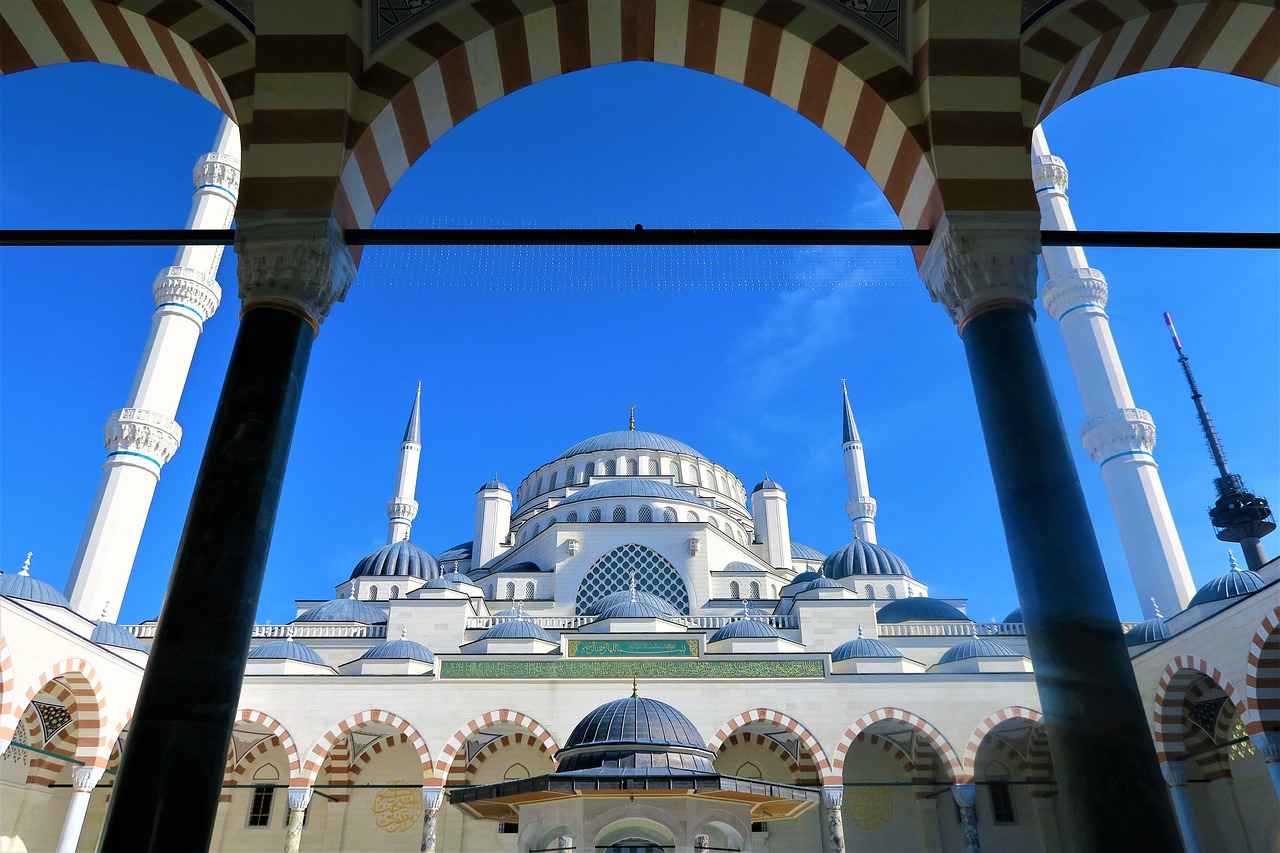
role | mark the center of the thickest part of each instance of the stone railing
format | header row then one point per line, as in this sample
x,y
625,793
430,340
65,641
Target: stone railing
x,y
569,623
952,629
280,632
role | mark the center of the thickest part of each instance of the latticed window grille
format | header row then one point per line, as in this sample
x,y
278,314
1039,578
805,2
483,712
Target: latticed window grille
x,y
633,467
870,591
619,514
395,591
653,572
891,591
511,590
668,514
735,591
590,470
755,590
690,516
529,590
571,518
610,468
594,515
1243,747
373,592
646,514
554,475
569,475
678,471
653,466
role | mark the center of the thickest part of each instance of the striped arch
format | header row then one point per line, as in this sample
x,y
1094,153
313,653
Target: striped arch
x,y
1013,712
1213,764
8,720
271,724
828,775
807,58
1172,691
896,752
1080,46
311,766
799,768
93,743
238,771
1262,676
38,33
44,770
503,715
950,761
458,773
373,750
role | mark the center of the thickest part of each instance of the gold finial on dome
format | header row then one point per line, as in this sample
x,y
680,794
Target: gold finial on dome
x,y
631,421
635,688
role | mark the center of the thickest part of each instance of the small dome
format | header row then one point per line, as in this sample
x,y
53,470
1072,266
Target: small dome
x,y
27,588
863,558
442,582
457,552
745,628
344,610
285,650
806,577
820,582
630,439
495,483
919,610
456,577
1234,583
1151,631
766,483
741,566
634,735
979,647
1014,617
517,628
400,649
633,608
606,601
399,559
804,552
864,647
110,634
522,566
630,487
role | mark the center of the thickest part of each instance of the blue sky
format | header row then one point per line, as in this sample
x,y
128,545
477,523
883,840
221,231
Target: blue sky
x,y
523,352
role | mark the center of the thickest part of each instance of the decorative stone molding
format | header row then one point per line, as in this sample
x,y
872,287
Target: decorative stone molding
x,y
295,260
85,778
833,796
432,798
219,170
980,260
701,842
693,546
138,432
1174,772
571,546
860,508
564,842
187,288
1049,172
1081,286
1268,745
398,508
964,794
300,798
1118,431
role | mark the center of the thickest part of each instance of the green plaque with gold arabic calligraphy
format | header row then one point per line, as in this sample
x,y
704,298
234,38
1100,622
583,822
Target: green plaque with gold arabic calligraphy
x,y
633,648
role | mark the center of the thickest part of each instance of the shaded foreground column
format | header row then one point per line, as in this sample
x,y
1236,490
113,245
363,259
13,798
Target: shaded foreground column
x,y
1175,773
299,799
293,267
832,803
964,795
1268,746
432,800
83,779
981,267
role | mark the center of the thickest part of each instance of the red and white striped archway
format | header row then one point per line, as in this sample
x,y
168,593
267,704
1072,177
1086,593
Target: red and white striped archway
x,y
787,722
456,744
271,724
1171,693
1014,712
946,753
315,758
93,739
1262,676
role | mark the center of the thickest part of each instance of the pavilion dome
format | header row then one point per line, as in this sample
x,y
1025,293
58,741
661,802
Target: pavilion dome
x,y
746,628
624,595
441,582
631,487
863,558
516,626
630,439
820,582
344,610
635,736
110,634
1151,631
806,577
400,649
864,647
1014,617
919,609
633,608
1233,584
399,559
287,649
979,647
27,588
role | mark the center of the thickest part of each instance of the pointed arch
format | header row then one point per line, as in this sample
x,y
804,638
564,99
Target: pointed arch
x,y
93,745
1172,690
315,758
502,715
271,724
1013,712
1262,676
950,761
824,767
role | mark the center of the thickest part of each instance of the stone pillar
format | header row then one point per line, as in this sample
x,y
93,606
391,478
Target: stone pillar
x,y
832,801
84,779
701,843
293,267
1047,818
981,267
565,842
432,800
1268,746
299,799
964,795
1175,774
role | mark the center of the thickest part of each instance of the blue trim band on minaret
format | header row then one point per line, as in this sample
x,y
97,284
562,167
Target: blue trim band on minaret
x,y
183,307
115,453
1126,453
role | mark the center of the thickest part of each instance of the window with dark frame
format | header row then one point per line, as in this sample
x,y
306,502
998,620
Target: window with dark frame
x,y
260,806
1001,802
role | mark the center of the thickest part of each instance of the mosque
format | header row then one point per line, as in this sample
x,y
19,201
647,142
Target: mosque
x,y
627,651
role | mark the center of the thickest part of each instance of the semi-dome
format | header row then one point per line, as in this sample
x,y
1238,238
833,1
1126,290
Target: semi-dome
x,y
979,647
606,601
864,647
110,634
27,588
804,552
286,650
399,559
863,558
631,487
1014,617
635,736
344,610
461,551
743,629
401,649
1233,584
919,609
630,439
1151,631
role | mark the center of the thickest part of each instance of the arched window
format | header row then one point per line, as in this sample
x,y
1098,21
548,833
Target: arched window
x,y
493,591
891,591
677,471
653,573
610,468
653,466
619,513
869,591
755,590
720,482
530,589
554,475
537,528
633,467
668,514
511,590
646,514
590,470
735,591
373,592
594,516
395,591
550,522
538,491
571,518
697,475
691,516
569,475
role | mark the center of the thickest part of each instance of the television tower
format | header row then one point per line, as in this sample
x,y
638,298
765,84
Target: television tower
x,y
1239,515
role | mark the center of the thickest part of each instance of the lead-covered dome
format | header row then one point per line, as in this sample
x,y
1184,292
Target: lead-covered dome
x,y
631,487
1151,631
286,650
1233,584
864,647
400,649
635,736
110,634
27,588
979,647
804,552
344,610
919,609
863,558
746,628
399,559
516,625
605,602
630,439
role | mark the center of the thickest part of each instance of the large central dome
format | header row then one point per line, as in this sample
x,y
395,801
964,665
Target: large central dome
x,y
630,439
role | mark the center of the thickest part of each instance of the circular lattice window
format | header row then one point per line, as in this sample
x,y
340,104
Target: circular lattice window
x,y
653,573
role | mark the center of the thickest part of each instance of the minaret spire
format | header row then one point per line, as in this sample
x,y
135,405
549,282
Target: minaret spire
x,y
1239,515
402,509
861,507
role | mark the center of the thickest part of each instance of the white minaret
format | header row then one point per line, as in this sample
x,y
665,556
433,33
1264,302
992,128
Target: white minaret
x,y
1117,435
143,436
493,522
773,528
861,507
402,509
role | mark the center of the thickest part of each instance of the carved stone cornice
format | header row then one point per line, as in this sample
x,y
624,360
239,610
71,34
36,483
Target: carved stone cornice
x,y
187,288
982,260
300,798
862,508
964,794
139,434
432,798
1174,772
1049,172
402,509
1080,287
297,261
85,778
1120,431
218,170
833,796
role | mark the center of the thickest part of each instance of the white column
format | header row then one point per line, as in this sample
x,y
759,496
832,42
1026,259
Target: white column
x,y
964,794
1268,745
493,522
1119,436
861,507
773,527
84,779
832,802
1175,773
299,799
432,800
141,437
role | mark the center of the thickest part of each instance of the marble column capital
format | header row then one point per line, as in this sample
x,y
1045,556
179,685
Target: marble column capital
x,y
432,798
300,798
982,260
298,261
86,778
1268,745
1174,772
964,794
833,796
